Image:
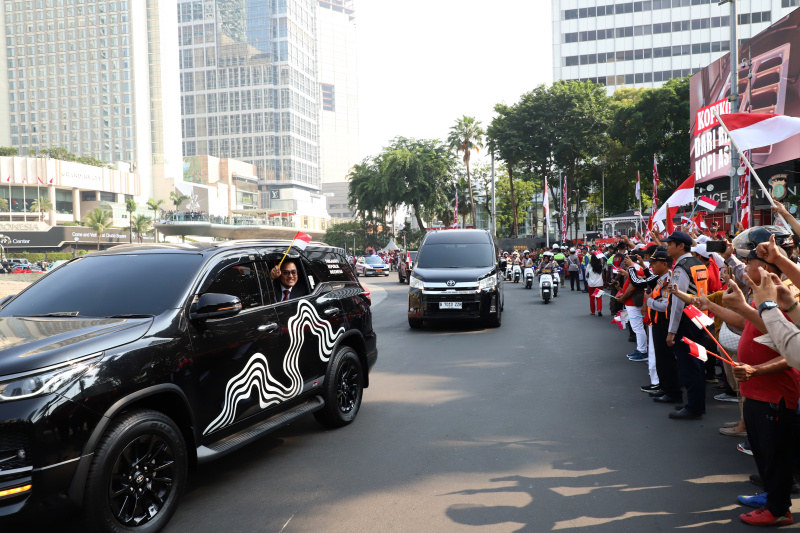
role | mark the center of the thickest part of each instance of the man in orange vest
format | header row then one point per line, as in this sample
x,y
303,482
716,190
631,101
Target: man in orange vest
x,y
691,276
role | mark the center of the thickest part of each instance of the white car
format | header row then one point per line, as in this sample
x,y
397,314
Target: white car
x,y
371,264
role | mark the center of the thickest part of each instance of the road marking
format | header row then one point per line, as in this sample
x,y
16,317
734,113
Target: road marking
x,y
286,524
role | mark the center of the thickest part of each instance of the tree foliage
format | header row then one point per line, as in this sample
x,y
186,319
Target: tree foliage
x,y
99,220
465,136
63,154
8,151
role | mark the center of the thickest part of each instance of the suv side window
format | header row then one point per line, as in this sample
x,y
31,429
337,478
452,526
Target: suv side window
x,y
330,266
239,280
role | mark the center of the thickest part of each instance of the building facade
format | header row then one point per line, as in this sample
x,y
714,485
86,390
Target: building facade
x,y
98,78
645,43
248,80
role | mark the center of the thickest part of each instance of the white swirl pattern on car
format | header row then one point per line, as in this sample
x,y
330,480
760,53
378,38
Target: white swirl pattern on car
x,y
256,372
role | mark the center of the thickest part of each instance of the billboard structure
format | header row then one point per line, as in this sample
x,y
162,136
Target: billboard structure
x,y
773,88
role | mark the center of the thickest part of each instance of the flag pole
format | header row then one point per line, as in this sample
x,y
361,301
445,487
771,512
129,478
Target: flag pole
x,y
752,170
287,252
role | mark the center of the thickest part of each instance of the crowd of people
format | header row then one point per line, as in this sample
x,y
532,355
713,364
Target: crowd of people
x,y
709,311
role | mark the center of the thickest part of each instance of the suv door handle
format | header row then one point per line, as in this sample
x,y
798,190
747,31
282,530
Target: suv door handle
x,y
272,326
331,311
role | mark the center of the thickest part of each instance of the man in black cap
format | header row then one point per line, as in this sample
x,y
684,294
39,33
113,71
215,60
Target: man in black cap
x,y
691,276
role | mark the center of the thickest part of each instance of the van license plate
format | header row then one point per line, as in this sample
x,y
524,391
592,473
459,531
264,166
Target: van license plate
x,y
449,305
379,271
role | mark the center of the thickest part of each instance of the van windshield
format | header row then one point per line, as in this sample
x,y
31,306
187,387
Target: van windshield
x,y
110,285
455,256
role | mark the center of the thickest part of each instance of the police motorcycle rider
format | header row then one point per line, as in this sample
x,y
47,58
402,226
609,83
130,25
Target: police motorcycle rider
x,y
528,268
505,265
547,284
516,268
561,259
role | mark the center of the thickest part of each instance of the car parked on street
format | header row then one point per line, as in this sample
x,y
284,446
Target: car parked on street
x,y
405,266
371,265
114,381
456,277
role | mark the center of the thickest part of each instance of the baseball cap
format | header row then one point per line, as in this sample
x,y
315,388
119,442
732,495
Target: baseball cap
x,y
679,237
701,249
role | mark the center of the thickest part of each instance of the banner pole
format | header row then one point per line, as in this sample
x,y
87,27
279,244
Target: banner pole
x,y
752,170
287,252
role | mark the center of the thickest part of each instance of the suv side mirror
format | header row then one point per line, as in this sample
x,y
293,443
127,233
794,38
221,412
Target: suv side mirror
x,y
214,305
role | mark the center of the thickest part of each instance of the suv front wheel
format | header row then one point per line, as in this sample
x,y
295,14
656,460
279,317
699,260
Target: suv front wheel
x,y
137,475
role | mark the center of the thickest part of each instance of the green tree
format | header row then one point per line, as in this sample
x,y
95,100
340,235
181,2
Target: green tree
x,y
130,207
465,136
42,205
3,204
506,138
155,205
99,220
8,151
177,199
141,225
345,234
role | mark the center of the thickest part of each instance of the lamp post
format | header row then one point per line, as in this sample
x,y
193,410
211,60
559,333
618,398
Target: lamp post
x,y
3,239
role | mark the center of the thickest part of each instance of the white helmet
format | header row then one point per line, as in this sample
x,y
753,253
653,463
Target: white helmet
x,y
555,247
571,250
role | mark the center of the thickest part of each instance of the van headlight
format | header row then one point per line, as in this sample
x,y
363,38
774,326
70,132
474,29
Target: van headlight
x,y
415,283
488,283
45,381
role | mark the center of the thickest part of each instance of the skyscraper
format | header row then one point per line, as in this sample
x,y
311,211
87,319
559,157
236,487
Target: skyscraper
x,y
98,78
338,81
249,85
646,43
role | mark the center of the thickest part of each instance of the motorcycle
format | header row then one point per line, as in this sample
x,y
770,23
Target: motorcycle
x,y
528,277
556,281
546,285
517,273
508,271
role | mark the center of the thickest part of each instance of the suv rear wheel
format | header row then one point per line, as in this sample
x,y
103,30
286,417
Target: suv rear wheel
x,y
137,475
344,387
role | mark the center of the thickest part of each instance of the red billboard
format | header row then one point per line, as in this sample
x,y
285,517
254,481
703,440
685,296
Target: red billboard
x,y
774,88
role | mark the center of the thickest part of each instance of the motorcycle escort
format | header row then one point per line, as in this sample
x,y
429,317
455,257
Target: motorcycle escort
x,y
546,285
556,280
528,277
517,273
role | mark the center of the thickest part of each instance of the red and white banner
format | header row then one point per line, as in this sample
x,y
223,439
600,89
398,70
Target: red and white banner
x,y
655,184
301,240
708,203
564,211
638,191
695,350
753,130
546,205
455,211
744,192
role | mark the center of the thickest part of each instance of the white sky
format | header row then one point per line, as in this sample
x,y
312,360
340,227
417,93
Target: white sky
x,y
425,63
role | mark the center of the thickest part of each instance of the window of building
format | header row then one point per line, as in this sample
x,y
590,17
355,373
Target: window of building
x,y
328,97
107,197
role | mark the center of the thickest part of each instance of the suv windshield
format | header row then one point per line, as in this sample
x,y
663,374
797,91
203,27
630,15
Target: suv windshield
x,y
373,260
109,285
455,256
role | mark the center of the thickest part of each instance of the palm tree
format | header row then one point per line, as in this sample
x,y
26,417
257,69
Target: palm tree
x,y
465,136
41,205
155,205
178,199
99,220
141,225
130,207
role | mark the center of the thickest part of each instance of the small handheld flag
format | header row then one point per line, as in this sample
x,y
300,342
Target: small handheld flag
x,y
301,240
699,318
708,203
695,350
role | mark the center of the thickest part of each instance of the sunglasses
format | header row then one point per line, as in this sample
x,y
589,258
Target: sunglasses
x,y
289,272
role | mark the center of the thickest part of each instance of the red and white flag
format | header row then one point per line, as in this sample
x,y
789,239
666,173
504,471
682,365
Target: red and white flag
x,y
699,318
546,204
564,211
51,180
708,203
25,179
301,240
695,350
752,130
683,195
8,178
40,180
744,193
638,191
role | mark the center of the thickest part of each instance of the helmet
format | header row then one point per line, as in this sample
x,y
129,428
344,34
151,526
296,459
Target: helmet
x,y
548,254
571,250
745,244
555,247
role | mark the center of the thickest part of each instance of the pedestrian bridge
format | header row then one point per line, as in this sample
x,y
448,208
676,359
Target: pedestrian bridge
x,y
201,228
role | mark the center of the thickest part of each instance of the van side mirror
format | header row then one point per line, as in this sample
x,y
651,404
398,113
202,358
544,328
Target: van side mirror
x,y
214,305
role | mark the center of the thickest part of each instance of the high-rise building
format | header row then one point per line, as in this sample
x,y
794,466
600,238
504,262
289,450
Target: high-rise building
x,y
97,77
249,87
338,82
645,43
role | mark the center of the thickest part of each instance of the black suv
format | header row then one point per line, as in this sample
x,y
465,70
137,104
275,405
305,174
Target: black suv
x,y
456,276
122,368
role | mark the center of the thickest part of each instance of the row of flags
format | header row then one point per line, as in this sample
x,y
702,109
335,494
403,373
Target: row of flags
x,y
25,180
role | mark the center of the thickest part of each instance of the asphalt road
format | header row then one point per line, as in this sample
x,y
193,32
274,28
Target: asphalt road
x,y
535,426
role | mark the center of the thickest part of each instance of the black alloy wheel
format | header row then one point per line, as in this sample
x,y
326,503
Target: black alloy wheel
x,y
343,389
137,475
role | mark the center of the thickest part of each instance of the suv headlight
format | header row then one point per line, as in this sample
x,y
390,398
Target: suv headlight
x,y
45,381
415,283
488,283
